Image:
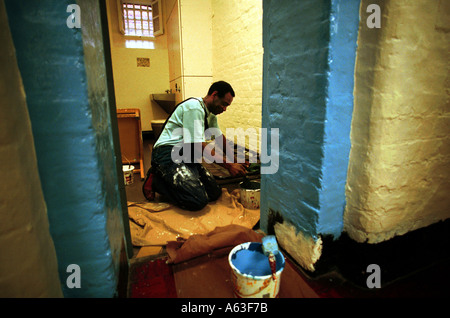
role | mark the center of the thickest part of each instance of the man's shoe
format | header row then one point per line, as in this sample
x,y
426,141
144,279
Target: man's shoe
x,y
147,187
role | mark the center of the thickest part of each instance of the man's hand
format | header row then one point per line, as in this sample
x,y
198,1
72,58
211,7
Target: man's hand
x,y
236,169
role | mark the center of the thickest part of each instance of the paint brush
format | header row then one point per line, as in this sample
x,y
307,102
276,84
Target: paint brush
x,y
270,249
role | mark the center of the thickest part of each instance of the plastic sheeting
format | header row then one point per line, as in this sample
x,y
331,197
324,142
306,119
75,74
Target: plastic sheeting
x,y
218,243
156,223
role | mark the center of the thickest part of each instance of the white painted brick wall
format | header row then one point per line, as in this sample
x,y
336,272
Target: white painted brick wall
x,y
237,59
398,178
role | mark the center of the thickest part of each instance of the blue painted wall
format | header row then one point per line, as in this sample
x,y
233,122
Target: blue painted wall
x,y
309,56
66,94
344,23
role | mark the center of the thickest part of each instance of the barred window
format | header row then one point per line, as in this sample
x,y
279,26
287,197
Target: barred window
x,y
141,19
138,19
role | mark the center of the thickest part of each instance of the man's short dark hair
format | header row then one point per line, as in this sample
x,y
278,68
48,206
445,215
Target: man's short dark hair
x,y
222,88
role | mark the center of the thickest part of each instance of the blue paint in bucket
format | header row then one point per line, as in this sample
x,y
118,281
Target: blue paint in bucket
x,y
252,261
251,275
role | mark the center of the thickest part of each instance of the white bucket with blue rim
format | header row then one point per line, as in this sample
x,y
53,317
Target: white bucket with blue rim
x,y
251,275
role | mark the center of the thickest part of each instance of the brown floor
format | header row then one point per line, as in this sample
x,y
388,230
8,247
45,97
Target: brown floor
x,y
194,279
431,282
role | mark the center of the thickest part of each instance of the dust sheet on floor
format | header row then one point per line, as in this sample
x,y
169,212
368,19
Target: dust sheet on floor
x,y
156,223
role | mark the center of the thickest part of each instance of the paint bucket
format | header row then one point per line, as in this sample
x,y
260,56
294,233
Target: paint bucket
x,y
128,174
250,194
251,275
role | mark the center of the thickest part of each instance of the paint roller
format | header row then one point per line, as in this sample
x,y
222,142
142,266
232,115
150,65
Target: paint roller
x,y
270,249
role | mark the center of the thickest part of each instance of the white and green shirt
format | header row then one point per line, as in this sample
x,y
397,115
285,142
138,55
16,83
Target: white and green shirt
x,y
187,124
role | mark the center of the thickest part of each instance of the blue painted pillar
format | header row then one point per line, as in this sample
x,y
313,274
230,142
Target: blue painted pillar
x,y
63,72
309,61
344,23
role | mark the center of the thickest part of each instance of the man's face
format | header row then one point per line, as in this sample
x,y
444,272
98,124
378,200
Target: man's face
x,y
219,105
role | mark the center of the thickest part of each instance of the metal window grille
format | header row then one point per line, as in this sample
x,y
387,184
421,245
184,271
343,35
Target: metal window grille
x,y
138,19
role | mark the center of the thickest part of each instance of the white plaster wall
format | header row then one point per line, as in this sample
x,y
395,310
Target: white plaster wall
x,y
399,171
195,17
132,84
28,264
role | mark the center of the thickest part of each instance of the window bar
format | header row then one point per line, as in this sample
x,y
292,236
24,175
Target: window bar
x,y
138,19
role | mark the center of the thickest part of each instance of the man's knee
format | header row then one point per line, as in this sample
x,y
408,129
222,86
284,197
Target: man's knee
x,y
194,201
188,189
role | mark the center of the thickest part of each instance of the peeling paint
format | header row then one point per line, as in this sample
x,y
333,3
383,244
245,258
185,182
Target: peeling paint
x,y
304,249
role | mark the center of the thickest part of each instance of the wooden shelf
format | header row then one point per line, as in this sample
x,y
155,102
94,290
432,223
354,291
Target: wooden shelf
x,y
131,143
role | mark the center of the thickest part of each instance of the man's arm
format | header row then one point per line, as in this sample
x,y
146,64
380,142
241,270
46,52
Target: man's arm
x,y
235,169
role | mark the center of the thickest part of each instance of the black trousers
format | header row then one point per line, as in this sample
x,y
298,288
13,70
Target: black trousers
x,y
189,185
